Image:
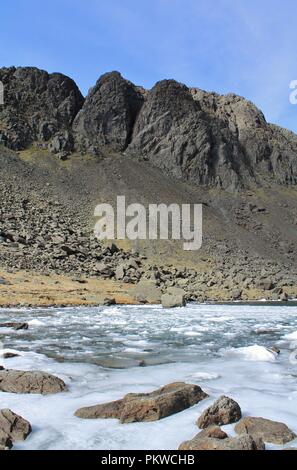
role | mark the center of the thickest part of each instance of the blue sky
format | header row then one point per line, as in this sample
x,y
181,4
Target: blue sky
x,y
245,46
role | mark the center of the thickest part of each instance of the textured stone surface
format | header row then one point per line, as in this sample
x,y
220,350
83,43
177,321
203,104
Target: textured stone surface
x,y
223,411
213,140
174,297
213,438
269,431
5,441
108,115
204,138
153,406
16,381
16,427
38,107
146,291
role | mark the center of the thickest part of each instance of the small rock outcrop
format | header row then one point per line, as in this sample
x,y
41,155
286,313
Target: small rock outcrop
x,y
223,411
153,406
270,431
16,427
17,381
213,438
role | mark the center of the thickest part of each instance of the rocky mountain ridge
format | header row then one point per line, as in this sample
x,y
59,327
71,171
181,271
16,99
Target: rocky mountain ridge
x,y
192,135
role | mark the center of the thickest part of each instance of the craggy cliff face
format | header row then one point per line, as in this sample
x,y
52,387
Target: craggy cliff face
x,y
38,108
192,135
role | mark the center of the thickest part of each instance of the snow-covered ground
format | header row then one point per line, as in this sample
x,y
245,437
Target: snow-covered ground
x,y
223,348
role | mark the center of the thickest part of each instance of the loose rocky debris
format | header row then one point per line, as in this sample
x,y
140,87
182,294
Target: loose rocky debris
x,y
17,381
270,431
47,237
15,325
223,411
213,438
153,406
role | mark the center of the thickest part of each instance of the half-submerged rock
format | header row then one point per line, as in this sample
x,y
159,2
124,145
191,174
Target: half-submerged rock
x,y
15,325
223,411
19,381
270,431
213,438
153,406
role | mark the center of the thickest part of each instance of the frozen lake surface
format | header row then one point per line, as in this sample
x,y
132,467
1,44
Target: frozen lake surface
x,y
97,351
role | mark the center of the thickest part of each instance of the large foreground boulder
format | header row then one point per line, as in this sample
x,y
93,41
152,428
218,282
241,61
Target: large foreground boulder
x,y
213,438
14,426
19,381
153,406
223,411
269,431
146,291
174,297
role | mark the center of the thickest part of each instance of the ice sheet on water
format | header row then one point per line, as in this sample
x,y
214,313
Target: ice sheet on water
x,y
291,336
35,322
227,358
204,376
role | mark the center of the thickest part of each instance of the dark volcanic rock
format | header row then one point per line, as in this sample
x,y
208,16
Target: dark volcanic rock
x,y
39,107
172,132
108,115
212,140
201,137
17,381
15,325
153,406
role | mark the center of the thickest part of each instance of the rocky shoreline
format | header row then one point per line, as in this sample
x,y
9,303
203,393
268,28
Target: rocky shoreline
x,y
248,432
24,289
252,432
